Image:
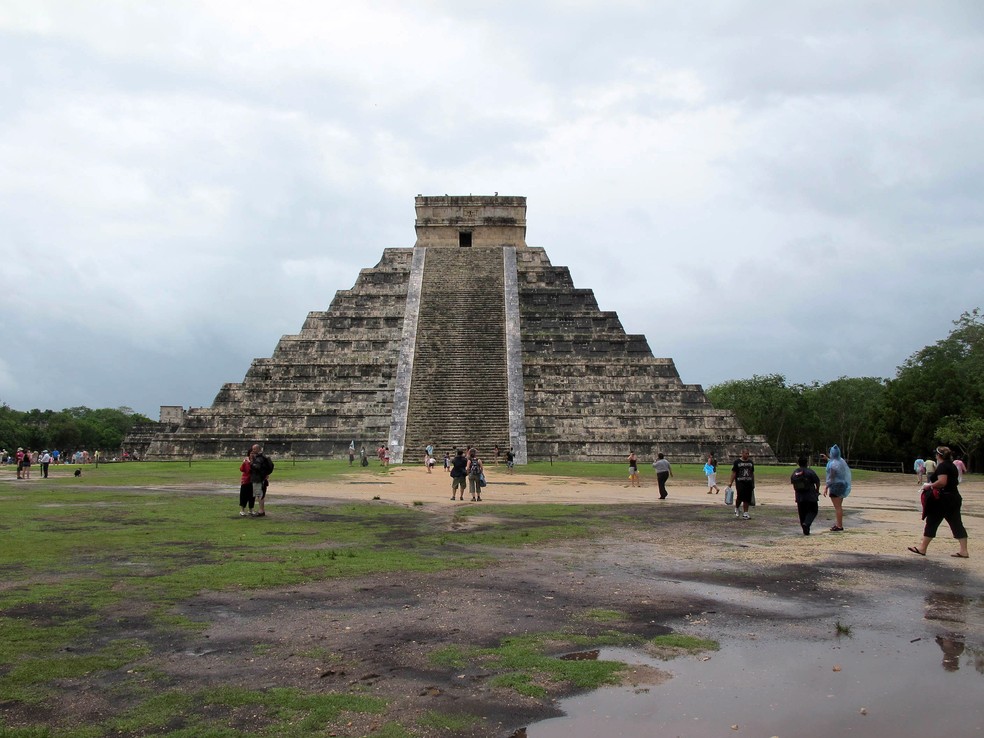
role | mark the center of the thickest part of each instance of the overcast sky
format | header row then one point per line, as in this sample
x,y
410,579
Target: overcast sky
x,y
758,187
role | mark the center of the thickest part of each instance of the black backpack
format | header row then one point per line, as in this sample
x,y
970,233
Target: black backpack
x,y
263,465
802,483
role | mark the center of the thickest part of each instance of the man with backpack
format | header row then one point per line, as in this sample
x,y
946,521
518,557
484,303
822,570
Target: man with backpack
x,y
260,470
806,487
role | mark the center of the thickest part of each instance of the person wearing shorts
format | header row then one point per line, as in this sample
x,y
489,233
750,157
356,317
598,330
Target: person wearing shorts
x,y
743,480
458,475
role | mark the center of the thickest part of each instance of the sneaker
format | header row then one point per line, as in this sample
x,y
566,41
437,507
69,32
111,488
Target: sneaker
x,y
252,514
242,513
746,516
737,513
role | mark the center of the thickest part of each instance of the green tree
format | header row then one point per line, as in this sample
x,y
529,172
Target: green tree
x,y
945,380
849,412
765,405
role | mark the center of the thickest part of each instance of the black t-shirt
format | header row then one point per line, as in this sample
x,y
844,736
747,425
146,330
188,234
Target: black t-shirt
x,y
458,464
950,470
806,484
744,472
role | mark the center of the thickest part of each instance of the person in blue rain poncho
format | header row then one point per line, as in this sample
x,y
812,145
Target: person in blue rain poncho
x,y
838,485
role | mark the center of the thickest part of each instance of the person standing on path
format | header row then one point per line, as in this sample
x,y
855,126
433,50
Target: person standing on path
x,y
806,488
663,472
475,469
44,460
941,501
743,480
246,498
710,471
634,470
261,468
458,466
838,485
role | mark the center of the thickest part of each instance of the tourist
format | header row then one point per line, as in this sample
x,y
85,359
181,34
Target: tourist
x,y
364,457
20,462
26,464
919,467
447,461
510,460
743,480
634,470
961,469
260,469
496,452
475,469
941,501
246,498
458,474
806,490
351,453
429,457
45,461
663,472
710,471
930,467
838,485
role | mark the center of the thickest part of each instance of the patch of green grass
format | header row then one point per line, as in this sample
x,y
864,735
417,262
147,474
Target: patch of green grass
x,y
26,679
673,644
602,615
453,722
390,730
842,630
525,665
519,683
287,711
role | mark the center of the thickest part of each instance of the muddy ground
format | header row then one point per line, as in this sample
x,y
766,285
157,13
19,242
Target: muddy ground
x,y
682,565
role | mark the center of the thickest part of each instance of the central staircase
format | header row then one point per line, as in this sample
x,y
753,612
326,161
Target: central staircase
x,y
458,390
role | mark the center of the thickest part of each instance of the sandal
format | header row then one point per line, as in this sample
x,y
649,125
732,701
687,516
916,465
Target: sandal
x,y
960,556
916,551
836,528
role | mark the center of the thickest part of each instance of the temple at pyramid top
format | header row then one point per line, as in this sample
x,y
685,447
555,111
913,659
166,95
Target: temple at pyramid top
x,y
479,221
469,338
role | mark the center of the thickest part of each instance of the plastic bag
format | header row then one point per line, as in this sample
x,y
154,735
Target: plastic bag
x,y
729,496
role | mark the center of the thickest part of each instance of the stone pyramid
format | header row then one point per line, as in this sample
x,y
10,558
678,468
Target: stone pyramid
x,y
471,337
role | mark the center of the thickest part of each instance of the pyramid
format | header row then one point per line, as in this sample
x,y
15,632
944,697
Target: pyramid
x,y
470,338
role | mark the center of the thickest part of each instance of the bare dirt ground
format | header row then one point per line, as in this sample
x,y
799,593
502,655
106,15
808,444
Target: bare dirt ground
x,y
690,567
379,631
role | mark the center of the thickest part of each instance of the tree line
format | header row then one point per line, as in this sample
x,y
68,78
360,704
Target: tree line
x,y
69,429
936,396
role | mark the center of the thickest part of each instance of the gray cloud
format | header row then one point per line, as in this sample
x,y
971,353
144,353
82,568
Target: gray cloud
x,y
740,182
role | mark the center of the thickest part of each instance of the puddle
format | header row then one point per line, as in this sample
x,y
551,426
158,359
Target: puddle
x,y
888,678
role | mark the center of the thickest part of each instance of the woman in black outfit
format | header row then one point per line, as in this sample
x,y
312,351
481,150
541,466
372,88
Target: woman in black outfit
x,y
941,501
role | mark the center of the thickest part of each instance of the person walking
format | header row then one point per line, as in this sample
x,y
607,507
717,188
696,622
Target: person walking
x,y
919,467
942,501
743,480
838,485
806,490
663,472
459,464
710,471
510,460
475,469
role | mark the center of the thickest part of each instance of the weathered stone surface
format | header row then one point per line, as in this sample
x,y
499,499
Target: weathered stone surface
x,y
471,337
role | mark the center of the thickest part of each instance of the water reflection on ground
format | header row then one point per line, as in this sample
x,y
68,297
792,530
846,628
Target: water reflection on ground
x,y
887,678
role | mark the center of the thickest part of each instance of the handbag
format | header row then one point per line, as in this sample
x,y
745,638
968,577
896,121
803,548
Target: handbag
x,y
481,480
729,496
